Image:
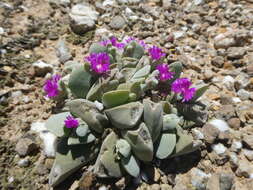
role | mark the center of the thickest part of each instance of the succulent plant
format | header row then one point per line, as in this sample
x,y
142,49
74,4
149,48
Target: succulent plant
x,y
125,106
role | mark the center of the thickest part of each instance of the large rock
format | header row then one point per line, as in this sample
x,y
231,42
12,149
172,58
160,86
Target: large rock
x,y
82,18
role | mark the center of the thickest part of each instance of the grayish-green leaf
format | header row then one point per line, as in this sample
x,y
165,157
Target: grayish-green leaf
x,y
88,112
69,159
106,164
153,118
115,98
125,116
131,165
97,48
123,147
81,140
142,73
79,82
166,145
55,124
170,122
140,141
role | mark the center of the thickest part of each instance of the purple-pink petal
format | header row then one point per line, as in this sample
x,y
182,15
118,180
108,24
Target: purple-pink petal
x,y
188,94
114,42
182,86
100,62
164,73
71,122
51,86
162,67
156,53
141,42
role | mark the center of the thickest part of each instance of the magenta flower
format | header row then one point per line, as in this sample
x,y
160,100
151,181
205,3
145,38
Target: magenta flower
x,y
117,44
51,86
105,42
182,86
114,42
141,42
156,53
71,122
100,62
164,73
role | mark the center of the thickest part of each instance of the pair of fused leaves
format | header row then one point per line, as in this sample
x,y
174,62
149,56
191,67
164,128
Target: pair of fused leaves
x,y
74,147
80,135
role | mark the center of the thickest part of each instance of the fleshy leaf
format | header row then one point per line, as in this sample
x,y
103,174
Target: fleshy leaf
x,y
79,82
123,147
166,145
131,165
69,159
55,123
140,141
125,116
115,98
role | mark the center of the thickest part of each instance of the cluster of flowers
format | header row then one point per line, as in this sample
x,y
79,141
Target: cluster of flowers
x,y
100,64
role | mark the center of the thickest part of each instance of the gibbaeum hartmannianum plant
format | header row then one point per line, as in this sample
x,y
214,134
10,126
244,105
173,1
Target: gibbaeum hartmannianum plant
x,y
125,106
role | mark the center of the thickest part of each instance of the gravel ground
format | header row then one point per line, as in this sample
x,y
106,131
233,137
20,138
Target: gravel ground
x,y
213,40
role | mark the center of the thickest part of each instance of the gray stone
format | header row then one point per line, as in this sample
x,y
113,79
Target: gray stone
x,y
23,162
248,140
229,82
225,113
103,188
243,94
166,3
117,22
41,68
155,187
249,69
213,183
235,52
218,61
219,149
1,31
199,179
42,169
197,134
241,81
224,43
165,187
234,123
16,94
199,2
82,18
219,124
210,133
62,51
248,154
236,146
233,160
25,146
60,2
178,34
244,169
129,1
226,181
